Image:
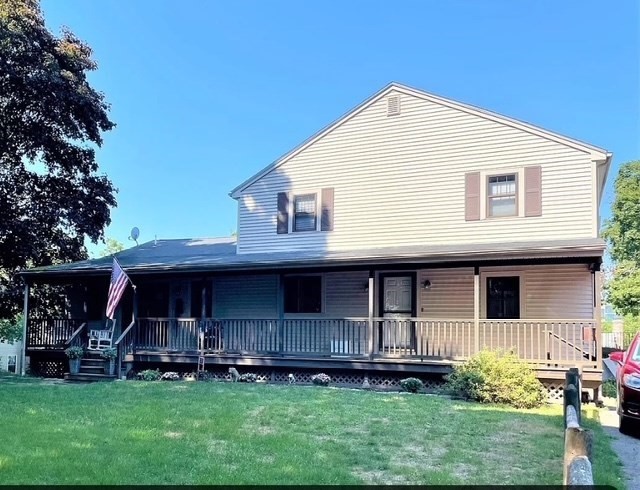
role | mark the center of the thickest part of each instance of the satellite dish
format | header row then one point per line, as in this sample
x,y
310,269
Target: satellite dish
x,y
135,233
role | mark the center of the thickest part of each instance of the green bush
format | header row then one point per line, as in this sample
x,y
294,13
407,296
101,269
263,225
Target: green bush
x,y
321,379
75,352
496,377
610,388
412,385
109,354
149,375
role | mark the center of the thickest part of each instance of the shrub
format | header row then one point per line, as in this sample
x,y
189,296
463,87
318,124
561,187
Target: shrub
x,y
248,378
169,376
109,353
496,377
75,352
149,375
412,385
610,388
321,379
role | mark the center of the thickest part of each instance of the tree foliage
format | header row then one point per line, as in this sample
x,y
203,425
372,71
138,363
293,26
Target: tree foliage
x,y
622,232
11,330
111,247
51,122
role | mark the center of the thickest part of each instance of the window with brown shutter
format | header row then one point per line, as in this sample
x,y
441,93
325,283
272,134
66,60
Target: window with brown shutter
x,y
326,217
472,196
283,213
304,212
533,191
502,195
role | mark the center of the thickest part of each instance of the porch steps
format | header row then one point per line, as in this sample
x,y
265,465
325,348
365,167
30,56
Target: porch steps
x,y
91,369
87,377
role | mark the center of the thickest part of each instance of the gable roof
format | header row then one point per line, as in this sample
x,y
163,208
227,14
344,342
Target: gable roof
x,y
596,152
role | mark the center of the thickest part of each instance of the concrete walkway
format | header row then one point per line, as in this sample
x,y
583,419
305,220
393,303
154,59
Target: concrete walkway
x,y
627,447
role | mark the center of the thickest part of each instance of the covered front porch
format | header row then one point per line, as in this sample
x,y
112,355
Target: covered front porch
x,y
424,318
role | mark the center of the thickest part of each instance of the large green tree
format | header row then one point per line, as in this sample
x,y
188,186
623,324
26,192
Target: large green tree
x,y
51,122
622,232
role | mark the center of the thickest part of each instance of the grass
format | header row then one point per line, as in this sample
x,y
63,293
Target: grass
x,y
227,433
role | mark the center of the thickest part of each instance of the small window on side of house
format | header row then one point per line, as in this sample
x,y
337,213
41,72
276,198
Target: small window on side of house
x,y
12,362
303,294
502,195
304,213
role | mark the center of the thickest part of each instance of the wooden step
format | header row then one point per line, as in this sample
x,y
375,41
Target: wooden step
x,y
87,377
92,362
91,369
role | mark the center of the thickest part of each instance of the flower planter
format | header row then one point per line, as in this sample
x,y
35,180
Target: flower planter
x,y
110,367
74,366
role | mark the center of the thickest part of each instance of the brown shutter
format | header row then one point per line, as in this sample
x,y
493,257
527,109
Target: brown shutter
x,y
283,213
326,219
532,191
472,196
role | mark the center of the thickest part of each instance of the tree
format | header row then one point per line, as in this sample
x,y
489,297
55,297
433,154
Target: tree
x,y
622,233
11,330
112,246
51,122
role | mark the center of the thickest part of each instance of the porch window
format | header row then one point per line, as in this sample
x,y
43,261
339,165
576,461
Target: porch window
x,y
304,218
503,297
502,195
303,294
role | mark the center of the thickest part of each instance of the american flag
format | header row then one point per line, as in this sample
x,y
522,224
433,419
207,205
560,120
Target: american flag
x,y
116,288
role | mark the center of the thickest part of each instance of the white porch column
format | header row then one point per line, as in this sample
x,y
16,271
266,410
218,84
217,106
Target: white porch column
x,y
476,309
371,323
25,312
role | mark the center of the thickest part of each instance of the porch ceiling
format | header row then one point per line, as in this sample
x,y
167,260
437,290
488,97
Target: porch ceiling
x,y
219,254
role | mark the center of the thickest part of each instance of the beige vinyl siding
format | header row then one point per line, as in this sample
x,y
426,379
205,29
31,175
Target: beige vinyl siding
x,y
400,181
450,295
245,297
547,292
345,295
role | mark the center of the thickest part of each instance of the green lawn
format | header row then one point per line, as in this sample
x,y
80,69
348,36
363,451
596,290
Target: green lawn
x,y
225,433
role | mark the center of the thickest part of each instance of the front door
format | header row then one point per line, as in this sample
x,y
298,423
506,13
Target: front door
x,y
397,308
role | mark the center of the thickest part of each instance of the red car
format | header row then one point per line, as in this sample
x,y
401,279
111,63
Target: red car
x,y
628,379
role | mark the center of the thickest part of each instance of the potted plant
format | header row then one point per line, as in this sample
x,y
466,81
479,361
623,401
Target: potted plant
x,y
75,355
109,356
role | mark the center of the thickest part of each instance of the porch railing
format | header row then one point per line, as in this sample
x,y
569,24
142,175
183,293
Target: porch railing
x,y
538,342
51,333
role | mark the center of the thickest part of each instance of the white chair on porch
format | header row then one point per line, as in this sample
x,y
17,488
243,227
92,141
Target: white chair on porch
x,y
101,339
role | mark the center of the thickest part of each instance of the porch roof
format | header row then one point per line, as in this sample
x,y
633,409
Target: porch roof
x,y
219,254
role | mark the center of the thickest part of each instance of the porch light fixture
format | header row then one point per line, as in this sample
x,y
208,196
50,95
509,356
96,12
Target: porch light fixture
x,y
426,284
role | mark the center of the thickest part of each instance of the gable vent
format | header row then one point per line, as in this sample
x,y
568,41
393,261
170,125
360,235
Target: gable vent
x,y
393,105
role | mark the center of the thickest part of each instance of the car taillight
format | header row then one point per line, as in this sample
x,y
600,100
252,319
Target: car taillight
x,y
631,380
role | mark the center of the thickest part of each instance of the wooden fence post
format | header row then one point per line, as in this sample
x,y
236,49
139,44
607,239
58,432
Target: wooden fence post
x,y
577,442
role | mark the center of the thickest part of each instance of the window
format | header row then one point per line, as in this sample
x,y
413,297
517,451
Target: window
x,y
12,363
303,294
503,297
502,196
304,209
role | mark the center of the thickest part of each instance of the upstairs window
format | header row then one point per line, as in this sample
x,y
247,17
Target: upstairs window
x,y
303,294
502,195
304,210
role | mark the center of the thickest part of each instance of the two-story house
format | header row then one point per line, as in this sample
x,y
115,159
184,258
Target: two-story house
x,y
408,235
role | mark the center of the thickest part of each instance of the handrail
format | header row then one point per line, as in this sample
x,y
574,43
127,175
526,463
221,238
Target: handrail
x,y
584,353
126,331
75,333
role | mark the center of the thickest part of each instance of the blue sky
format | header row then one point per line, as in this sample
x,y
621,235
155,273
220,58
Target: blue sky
x,y
206,93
